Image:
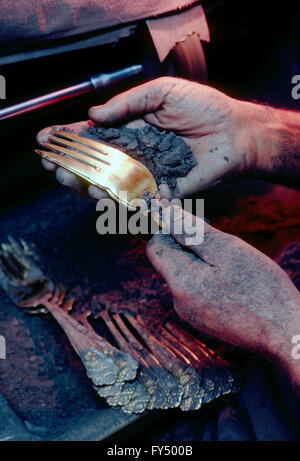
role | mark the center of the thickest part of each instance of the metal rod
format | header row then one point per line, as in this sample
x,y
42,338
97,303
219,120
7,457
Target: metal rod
x,y
95,83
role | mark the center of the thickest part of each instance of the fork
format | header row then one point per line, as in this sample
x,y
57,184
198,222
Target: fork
x,y
103,166
140,365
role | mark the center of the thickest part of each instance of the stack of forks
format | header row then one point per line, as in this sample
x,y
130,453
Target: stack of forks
x,y
140,368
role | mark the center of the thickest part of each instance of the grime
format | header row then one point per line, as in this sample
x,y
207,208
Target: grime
x,y
165,154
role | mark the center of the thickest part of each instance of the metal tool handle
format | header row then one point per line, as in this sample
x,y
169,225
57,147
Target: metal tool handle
x,y
95,83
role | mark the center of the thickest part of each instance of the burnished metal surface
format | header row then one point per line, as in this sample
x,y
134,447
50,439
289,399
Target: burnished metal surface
x,y
104,166
151,368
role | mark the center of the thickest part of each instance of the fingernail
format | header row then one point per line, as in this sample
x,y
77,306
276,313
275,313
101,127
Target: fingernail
x,y
96,114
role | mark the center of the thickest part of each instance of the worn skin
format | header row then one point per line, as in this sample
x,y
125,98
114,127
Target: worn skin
x,y
223,287
228,137
229,290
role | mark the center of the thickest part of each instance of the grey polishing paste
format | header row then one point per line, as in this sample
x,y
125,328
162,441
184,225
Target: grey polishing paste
x,y
164,153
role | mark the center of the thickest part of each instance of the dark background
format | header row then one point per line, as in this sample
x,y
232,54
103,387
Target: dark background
x,y
253,55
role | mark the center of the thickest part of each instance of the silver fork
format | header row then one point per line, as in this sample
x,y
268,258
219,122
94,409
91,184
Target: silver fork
x,y
100,164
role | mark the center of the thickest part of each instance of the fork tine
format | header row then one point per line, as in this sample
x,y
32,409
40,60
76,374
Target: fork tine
x,y
82,169
80,156
114,173
122,342
122,339
132,340
96,145
161,352
88,151
113,154
184,336
65,161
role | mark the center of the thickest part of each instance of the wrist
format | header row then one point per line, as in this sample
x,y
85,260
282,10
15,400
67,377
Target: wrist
x,y
272,141
259,133
251,129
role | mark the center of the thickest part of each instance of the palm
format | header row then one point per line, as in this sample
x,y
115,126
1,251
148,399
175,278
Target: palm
x,y
202,116
206,119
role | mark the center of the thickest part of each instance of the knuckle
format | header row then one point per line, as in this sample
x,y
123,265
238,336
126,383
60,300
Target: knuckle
x,y
165,84
165,81
60,174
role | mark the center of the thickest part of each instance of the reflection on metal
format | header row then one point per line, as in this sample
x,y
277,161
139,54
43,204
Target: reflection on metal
x,y
147,368
104,166
94,83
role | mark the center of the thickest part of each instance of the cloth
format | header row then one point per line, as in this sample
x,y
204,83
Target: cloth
x,y
29,20
168,30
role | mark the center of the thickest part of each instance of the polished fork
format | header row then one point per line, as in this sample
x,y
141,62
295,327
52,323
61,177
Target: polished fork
x,y
101,165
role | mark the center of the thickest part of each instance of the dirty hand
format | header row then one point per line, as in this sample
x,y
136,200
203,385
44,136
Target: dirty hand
x,y
229,290
212,123
227,136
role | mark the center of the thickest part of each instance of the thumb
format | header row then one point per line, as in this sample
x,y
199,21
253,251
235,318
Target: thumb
x,y
140,100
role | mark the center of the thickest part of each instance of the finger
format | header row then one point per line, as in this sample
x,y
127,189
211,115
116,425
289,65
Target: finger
x,y
66,178
137,123
165,191
141,100
192,232
49,166
63,176
44,134
168,258
96,193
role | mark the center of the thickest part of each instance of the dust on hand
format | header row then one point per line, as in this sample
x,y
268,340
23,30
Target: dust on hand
x,y
164,153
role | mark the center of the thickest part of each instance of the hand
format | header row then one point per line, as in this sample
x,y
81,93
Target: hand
x,y
64,177
228,289
214,125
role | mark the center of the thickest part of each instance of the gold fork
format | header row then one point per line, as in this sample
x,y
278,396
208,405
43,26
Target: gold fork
x,y
102,165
